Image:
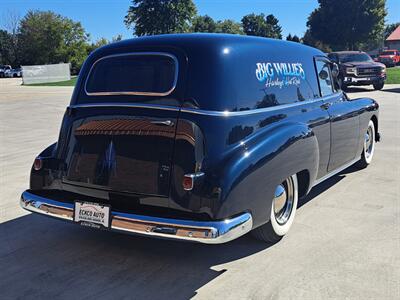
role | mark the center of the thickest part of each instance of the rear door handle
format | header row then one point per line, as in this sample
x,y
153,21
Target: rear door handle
x,y
325,105
166,123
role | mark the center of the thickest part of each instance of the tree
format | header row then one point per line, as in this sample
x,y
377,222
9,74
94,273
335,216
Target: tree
x,y
11,24
344,24
46,38
261,25
203,24
97,44
6,55
311,41
293,38
102,42
389,29
229,26
207,24
116,38
148,17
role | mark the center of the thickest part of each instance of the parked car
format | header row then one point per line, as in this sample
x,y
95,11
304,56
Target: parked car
x,y
357,68
3,69
13,73
199,137
390,58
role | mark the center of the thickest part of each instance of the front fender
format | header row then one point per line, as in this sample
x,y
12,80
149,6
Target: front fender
x,y
249,178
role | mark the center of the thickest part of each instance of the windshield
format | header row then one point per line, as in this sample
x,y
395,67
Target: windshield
x,y
388,53
352,57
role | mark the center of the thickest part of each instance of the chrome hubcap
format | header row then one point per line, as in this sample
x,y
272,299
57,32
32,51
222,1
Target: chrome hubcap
x,y
283,201
369,142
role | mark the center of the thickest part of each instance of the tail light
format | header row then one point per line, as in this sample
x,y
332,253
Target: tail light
x,y
38,164
189,180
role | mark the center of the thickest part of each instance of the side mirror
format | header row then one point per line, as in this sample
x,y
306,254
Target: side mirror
x,y
323,75
335,70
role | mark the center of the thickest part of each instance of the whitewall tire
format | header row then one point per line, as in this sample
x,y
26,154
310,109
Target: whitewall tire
x,y
369,146
283,211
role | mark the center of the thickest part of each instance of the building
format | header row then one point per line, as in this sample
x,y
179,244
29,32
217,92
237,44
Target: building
x,y
393,40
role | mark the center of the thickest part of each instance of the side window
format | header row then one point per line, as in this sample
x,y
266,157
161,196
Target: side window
x,y
271,82
324,77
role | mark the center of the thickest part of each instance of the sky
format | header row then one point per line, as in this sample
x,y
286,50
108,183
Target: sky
x,y
102,18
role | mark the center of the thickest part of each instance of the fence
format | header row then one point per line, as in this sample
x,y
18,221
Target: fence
x,y
45,73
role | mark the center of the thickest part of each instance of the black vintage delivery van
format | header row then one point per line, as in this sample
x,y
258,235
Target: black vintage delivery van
x,y
200,137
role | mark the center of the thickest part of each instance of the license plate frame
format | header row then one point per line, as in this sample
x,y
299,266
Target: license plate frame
x,y
92,214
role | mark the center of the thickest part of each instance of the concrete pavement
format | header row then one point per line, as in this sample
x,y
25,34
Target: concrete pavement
x,y
344,243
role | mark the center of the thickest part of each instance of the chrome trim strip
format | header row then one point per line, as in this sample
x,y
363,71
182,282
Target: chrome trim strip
x,y
254,111
336,171
208,232
173,57
117,104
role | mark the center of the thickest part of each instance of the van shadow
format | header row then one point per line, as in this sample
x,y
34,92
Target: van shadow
x,y
391,90
326,185
45,258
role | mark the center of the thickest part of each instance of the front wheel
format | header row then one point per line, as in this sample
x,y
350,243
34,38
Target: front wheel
x,y
369,146
283,210
379,85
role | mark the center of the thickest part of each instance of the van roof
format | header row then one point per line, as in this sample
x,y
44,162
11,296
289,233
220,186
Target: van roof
x,y
210,40
216,65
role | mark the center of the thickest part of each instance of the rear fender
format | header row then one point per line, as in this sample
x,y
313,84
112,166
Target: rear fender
x,y
249,179
39,178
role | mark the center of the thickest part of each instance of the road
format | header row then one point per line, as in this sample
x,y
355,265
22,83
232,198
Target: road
x,y
344,243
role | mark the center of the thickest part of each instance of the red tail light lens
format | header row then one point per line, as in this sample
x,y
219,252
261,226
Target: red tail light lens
x,y
38,164
187,182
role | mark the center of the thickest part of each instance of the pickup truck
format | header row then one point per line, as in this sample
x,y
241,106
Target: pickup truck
x,y
357,68
200,137
390,58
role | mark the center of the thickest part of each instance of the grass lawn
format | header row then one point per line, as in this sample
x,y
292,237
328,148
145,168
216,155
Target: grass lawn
x,y
393,75
70,82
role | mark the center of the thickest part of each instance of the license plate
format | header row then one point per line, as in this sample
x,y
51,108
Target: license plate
x,y
92,214
360,79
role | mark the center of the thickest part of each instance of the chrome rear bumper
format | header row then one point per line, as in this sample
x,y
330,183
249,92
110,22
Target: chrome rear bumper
x,y
209,232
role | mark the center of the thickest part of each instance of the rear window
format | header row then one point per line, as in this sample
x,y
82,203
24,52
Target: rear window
x,y
153,74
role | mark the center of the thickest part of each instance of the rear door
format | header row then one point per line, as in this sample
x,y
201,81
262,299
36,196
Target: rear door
x,y
119,144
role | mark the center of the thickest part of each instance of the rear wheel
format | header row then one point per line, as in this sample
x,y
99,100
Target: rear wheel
x,y
378,86
283,210
369,146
